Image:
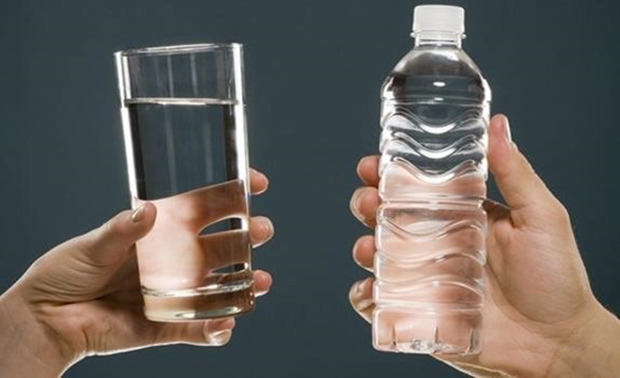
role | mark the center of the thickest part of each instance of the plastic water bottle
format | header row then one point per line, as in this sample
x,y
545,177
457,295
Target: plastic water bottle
x,y
431,226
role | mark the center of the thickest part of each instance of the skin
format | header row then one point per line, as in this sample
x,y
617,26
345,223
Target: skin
x,y
83,298
540,318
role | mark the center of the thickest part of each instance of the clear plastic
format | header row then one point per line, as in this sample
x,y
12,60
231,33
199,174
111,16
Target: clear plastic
x,y
431,226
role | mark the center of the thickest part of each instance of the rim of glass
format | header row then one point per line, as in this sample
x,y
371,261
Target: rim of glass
x,y
179,49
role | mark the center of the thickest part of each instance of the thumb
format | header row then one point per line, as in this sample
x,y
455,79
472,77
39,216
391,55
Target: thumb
x,y
111,242
521,187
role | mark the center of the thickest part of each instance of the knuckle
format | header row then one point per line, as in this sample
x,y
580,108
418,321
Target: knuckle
x,y
113,228
106,230
354,202
223,342
560,213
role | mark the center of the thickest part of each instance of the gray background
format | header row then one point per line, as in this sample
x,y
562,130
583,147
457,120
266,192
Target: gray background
x,y
313,74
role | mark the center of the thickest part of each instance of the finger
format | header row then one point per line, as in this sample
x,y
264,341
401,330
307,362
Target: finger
x,y
368,170
112,242
261,231
227,248
215,332
364,204
364,252
519,184
219,332
360,297
258,182
190,208
262,282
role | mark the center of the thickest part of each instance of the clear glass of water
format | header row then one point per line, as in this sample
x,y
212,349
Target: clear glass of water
x,y
184,128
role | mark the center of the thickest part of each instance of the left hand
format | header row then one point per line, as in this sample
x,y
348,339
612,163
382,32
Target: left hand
x,y
83,298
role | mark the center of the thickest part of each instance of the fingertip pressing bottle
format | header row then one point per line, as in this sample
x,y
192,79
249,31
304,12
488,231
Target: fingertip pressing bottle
x,y
431,226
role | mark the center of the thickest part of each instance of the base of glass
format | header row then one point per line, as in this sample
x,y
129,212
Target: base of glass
x,y
198,304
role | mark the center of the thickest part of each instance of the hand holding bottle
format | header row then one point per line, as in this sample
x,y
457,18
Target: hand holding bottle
x,y
540,317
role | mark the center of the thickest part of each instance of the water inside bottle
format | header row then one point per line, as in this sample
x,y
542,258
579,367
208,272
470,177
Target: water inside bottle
x,y
431,226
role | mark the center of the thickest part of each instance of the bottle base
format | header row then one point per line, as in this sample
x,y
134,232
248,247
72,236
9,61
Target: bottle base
x,y
420,332
198,304
419,346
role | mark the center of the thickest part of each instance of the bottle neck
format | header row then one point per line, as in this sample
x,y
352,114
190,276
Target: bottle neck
x,y
430,38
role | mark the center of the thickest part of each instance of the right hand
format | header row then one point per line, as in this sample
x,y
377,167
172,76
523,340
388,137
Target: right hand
x,y
540,317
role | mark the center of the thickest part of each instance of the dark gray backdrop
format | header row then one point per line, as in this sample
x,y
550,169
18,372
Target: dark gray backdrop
x,y
313,74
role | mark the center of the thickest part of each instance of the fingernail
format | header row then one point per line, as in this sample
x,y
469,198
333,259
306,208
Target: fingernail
x,y
360,163
355,201
220,338
355,292
138,214
507,131
264,177
362,287
266,225
261,175
355,247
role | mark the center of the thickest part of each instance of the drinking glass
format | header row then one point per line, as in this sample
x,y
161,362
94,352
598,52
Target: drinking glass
x,y
184,128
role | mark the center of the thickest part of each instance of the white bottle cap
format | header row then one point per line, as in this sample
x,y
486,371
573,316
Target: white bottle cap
x,y
438,18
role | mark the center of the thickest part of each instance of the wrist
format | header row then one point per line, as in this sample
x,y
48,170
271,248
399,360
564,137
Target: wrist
x,y
27,347
593,349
